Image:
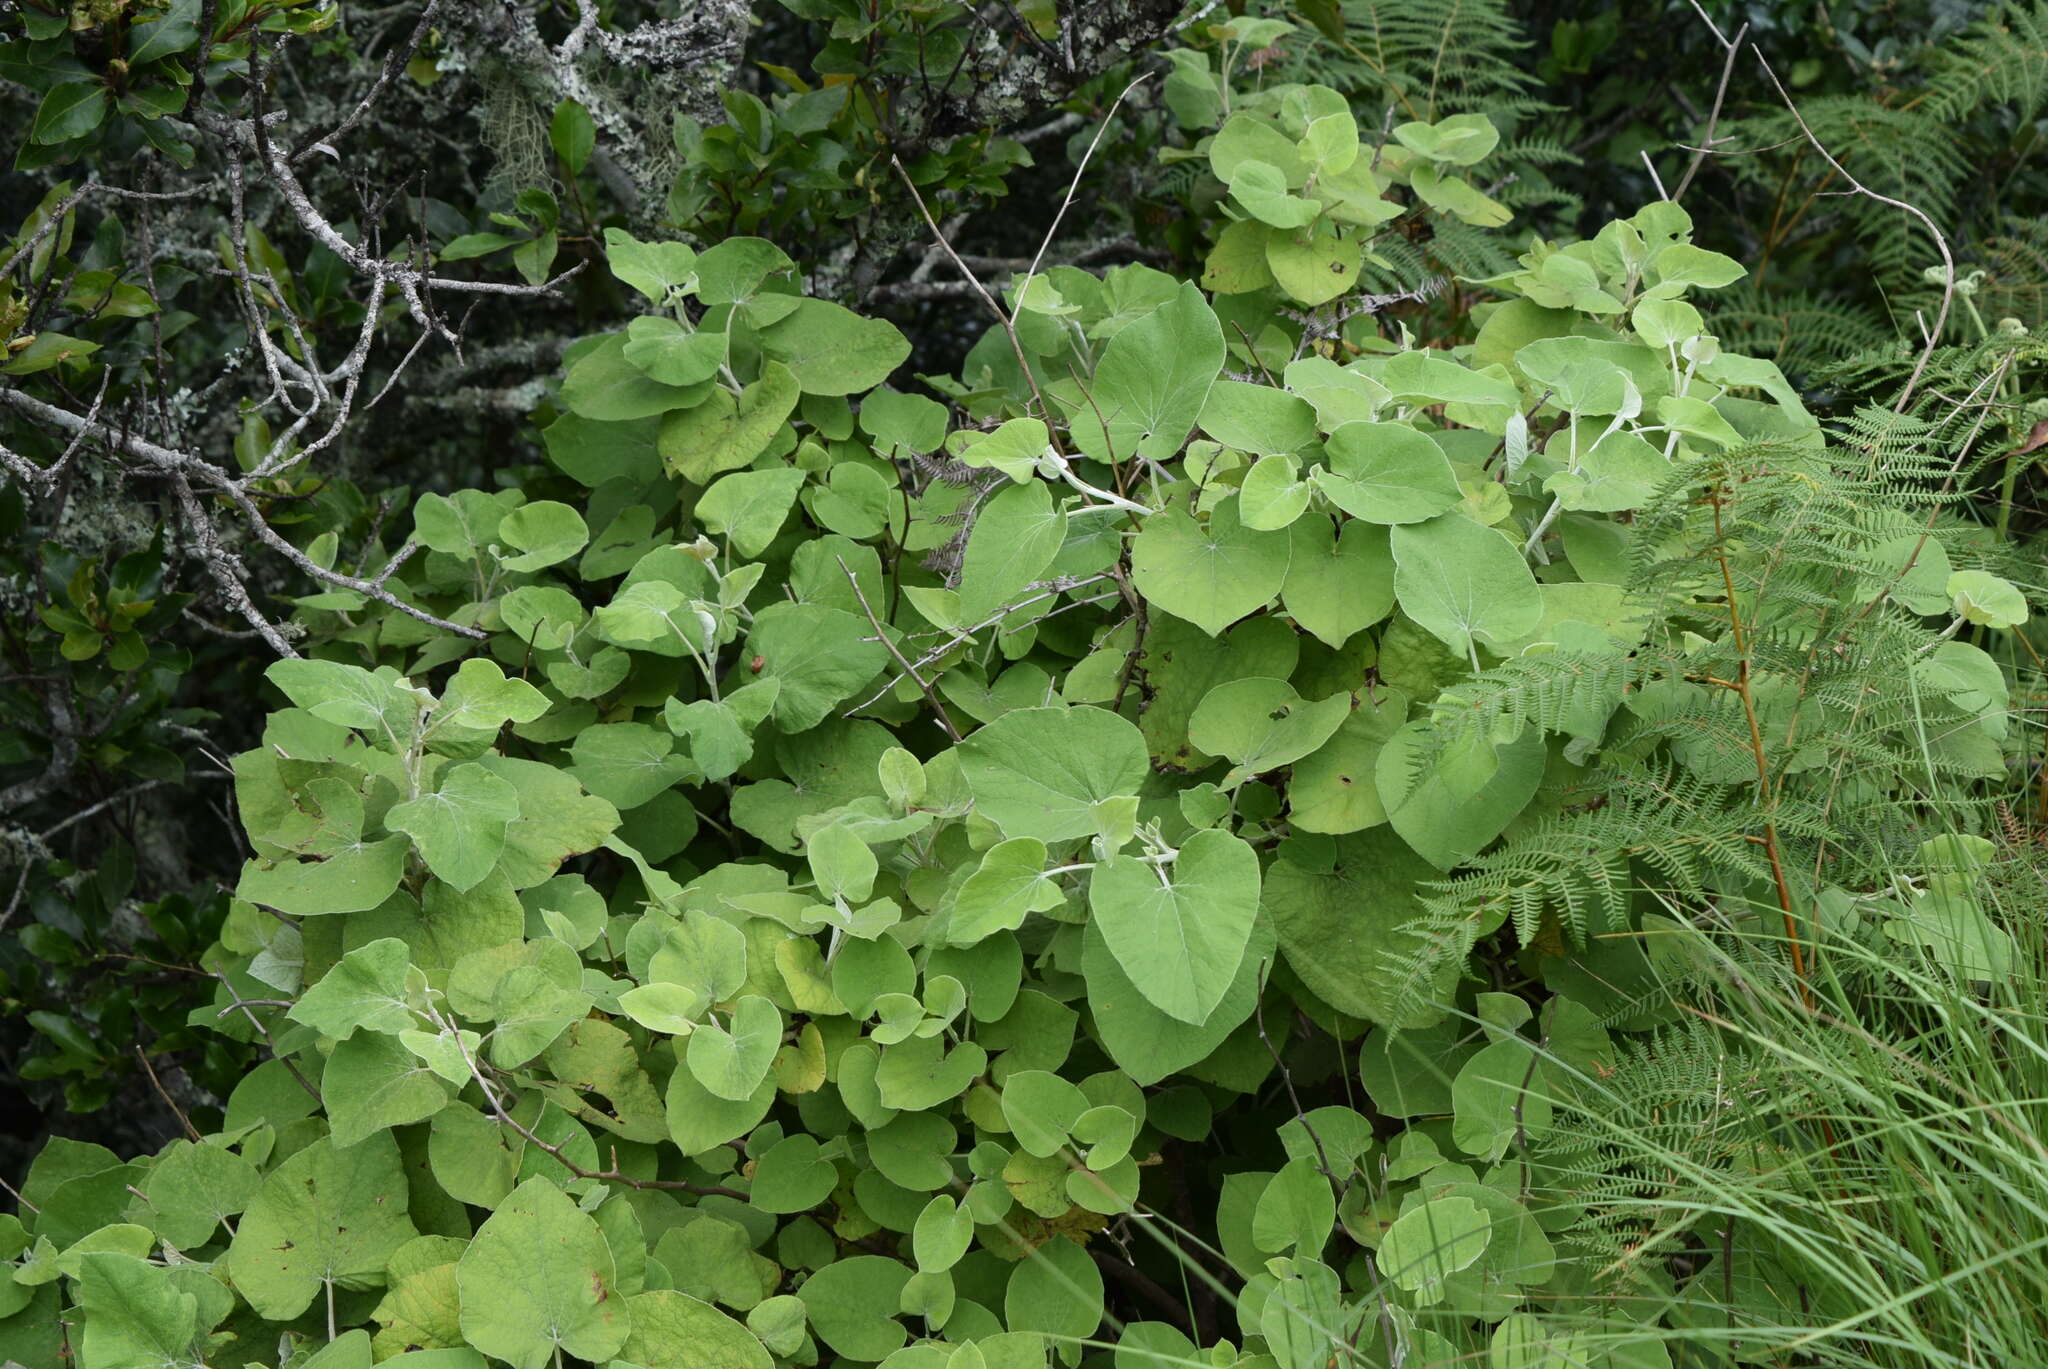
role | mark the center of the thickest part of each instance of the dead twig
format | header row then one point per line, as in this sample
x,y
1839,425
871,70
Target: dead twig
x,y
1052,589
910,671
561,1157
1948,261
186,1122
1733,48
1002,317
216,480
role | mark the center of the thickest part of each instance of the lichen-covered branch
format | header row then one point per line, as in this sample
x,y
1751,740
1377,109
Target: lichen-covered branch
x,y
1014,79
633,82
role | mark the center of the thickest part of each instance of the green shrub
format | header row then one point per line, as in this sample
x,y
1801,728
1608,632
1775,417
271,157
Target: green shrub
x,y
1189,840
819,874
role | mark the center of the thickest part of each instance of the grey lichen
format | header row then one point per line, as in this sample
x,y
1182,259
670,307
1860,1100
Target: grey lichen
x,y
633,82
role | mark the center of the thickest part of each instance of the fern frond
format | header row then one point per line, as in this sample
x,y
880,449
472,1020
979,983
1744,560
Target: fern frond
x,y
1904,153
2002,59
2015,266
1797,329
1426,58
1565,692
1807,740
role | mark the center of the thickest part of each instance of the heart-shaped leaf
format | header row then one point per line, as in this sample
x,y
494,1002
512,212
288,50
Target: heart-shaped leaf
x,y
732,1060
1180,931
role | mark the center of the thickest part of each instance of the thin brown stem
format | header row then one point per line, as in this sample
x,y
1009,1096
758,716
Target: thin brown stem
x,y
1287,1081
169,1102
1706,143
560,1156
19,1201
1948,261
1150,1290
259,1024
882,635
1743,691
1002,316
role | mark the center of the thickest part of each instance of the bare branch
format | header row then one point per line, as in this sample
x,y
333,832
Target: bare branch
x,y
161,1092
93,186
226,571
214,478
409,280
910,671
1079,172
1002,317
1734,48
63,738
248,1011
631,83
43,479
1948,261
393,64
561,1156
1655,179
1051,589
1036,77
922,291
